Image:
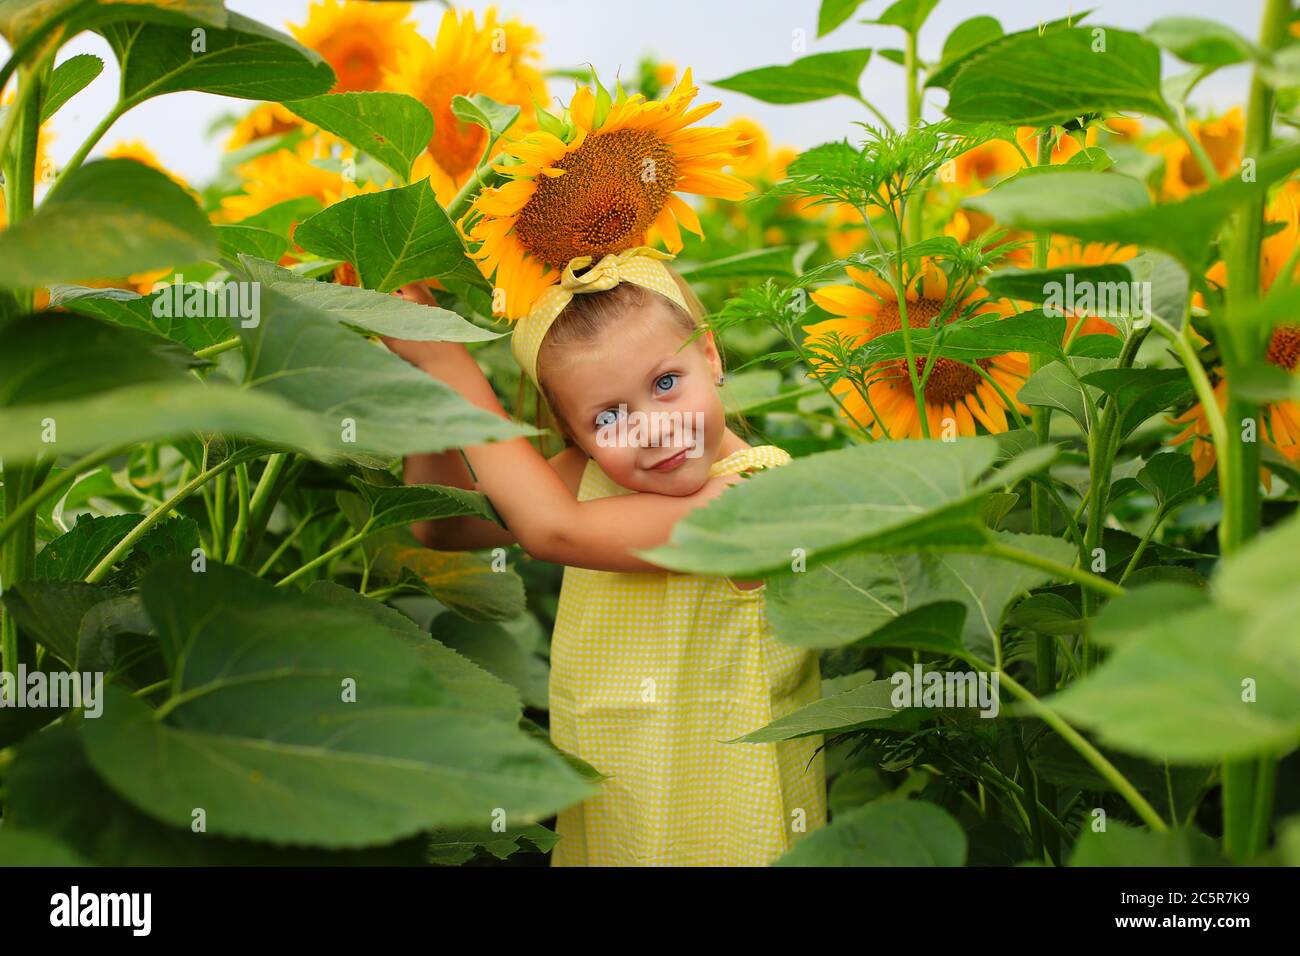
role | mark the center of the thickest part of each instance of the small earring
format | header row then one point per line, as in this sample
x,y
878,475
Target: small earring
x,y
721,379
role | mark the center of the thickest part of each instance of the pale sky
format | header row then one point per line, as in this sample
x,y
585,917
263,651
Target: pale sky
x,y
717,38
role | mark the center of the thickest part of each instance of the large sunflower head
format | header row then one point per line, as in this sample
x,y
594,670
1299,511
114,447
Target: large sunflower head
x,y
359,40
957,397
497,59
606,182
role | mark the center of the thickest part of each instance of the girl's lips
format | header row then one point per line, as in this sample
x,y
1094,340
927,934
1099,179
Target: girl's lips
x,y
668,464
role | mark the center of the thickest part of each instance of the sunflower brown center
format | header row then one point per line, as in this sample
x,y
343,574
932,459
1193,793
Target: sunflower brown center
x,y
613,188
950,381
1284,347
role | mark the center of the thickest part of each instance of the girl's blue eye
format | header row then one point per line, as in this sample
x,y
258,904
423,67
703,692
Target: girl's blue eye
x,y
606,418
669,377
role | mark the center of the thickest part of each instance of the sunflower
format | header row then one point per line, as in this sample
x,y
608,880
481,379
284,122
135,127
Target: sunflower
x,y
496,59
1065,252
286,174
608,185
137,150
359,40
966,225
1123,129
954,392
752,159
982,164
268,119
1282,418
1222,140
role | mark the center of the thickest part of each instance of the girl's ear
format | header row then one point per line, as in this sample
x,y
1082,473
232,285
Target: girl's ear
x,y
711,353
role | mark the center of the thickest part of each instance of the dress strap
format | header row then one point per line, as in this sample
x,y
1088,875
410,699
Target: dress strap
x,y
761,456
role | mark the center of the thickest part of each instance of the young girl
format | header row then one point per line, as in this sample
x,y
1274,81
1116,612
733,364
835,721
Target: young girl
x,y
651,671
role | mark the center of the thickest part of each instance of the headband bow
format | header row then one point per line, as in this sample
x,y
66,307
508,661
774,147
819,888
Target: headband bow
x,y
640,265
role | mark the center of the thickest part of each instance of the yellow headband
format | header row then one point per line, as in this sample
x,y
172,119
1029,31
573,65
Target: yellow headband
x,y
641,266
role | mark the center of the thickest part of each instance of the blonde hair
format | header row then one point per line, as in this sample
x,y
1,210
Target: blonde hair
x,y
587,317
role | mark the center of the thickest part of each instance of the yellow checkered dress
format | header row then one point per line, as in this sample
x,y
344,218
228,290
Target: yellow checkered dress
x,y
650,674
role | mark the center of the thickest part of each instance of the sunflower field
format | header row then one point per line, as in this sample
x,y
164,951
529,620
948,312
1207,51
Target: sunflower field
x,y
1034,353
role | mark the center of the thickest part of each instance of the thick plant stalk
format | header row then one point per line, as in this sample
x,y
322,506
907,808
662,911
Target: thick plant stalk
x,y
1248,785
18,553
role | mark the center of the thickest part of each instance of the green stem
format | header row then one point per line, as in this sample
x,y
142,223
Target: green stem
x,y
1248,785
1142,544
1061,572
484,177
322,558
124,546
240,532
84,149
283,546
263,500
1089,753
220,347
915,211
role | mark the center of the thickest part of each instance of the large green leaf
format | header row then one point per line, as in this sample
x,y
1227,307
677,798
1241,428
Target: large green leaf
x,y
390,315
262,735
1122,845
367,399
884,833
469,684
474,587
87,385
809,78
391,237
1108,207
392,127
49,357
161,410
51,611
19,19
108,218
57,794
1017,80
885,496
1218,681
493,647
1199,41
246,59
850,598
866,705
965,38
392,506
121,307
